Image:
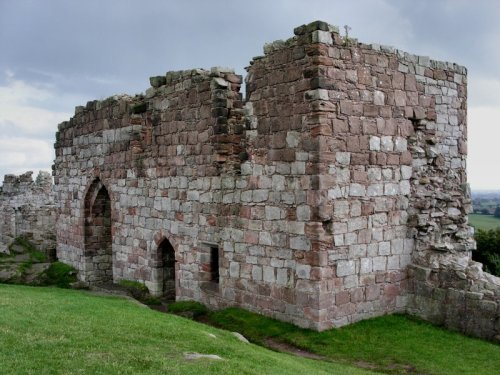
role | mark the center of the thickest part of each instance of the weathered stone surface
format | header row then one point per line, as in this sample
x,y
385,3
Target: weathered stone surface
x,y
325,198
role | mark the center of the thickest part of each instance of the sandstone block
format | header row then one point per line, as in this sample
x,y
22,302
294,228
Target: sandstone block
x,y
345,268
365,265
320,36
357,190
303,213
400,144
378,98
374,190
257,273
260,195
343,158
386,143
357,223
303,271
338,240
379,263
265,238
357,251
318,94
234,269
340,209
393,262
269,275
272,213
282,276
300,243
384,248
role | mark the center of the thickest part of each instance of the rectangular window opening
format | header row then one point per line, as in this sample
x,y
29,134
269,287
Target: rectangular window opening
x,y
214,264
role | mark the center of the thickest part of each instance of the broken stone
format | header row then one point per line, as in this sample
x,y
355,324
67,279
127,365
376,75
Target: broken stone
x,y
240,337
220,82
196,356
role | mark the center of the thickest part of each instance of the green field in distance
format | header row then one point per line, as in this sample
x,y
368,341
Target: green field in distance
x,y
485,222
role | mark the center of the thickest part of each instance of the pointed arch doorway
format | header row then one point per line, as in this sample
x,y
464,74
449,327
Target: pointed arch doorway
x,y
98,252
166,273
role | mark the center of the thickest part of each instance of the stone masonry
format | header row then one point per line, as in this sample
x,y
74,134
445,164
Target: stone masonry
x,y
336,191
28,210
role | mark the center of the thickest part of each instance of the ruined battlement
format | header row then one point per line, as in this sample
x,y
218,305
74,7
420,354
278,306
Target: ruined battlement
x,y
28,209
15,185
335,191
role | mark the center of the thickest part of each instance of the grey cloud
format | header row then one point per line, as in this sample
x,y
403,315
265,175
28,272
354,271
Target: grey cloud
x,y
455,30
96,49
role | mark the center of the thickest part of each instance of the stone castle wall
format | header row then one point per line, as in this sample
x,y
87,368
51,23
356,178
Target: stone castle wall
x,y
335,192
28,209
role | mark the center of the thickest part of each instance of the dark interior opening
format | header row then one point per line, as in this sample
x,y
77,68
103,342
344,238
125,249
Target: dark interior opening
x,y
214,264
168,269
98,238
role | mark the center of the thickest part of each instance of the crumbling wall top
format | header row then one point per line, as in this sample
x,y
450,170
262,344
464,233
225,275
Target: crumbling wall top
x,y
323,32
23,183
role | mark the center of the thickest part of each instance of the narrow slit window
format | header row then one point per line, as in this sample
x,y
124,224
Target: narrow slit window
x,y
214,264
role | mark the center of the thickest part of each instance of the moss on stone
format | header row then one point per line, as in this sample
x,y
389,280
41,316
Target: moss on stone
x,y
59,274
139,108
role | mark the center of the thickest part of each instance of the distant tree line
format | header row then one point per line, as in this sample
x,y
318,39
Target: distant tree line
x,y
485,203
488,211
488,248
497,212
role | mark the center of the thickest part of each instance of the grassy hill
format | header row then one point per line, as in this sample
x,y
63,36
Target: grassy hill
x,y
392,344
57,331
485,222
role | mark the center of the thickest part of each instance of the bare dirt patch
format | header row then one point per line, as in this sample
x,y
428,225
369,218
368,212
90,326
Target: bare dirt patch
x,y
287,348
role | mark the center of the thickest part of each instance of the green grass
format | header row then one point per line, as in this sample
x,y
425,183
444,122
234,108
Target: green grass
x,y
139,291
195,308
60,274
61,331
394,344
485,222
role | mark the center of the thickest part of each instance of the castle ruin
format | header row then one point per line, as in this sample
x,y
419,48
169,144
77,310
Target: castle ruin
x,y
334,192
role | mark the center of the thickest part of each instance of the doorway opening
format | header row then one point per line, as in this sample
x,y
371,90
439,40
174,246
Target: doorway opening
x,y
98,240
167,253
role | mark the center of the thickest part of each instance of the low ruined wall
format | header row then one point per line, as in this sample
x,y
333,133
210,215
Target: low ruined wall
x,y
27,209
458,296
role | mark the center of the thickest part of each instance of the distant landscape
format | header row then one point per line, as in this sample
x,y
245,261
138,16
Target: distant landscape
x,y
486,222
486,206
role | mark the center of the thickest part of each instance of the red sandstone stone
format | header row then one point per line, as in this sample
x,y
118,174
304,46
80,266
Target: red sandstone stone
x,y
321,130
360,159
393,159
370,110
405,158
342,298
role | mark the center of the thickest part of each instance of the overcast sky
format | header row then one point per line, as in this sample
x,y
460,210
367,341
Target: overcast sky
x,y
58,54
